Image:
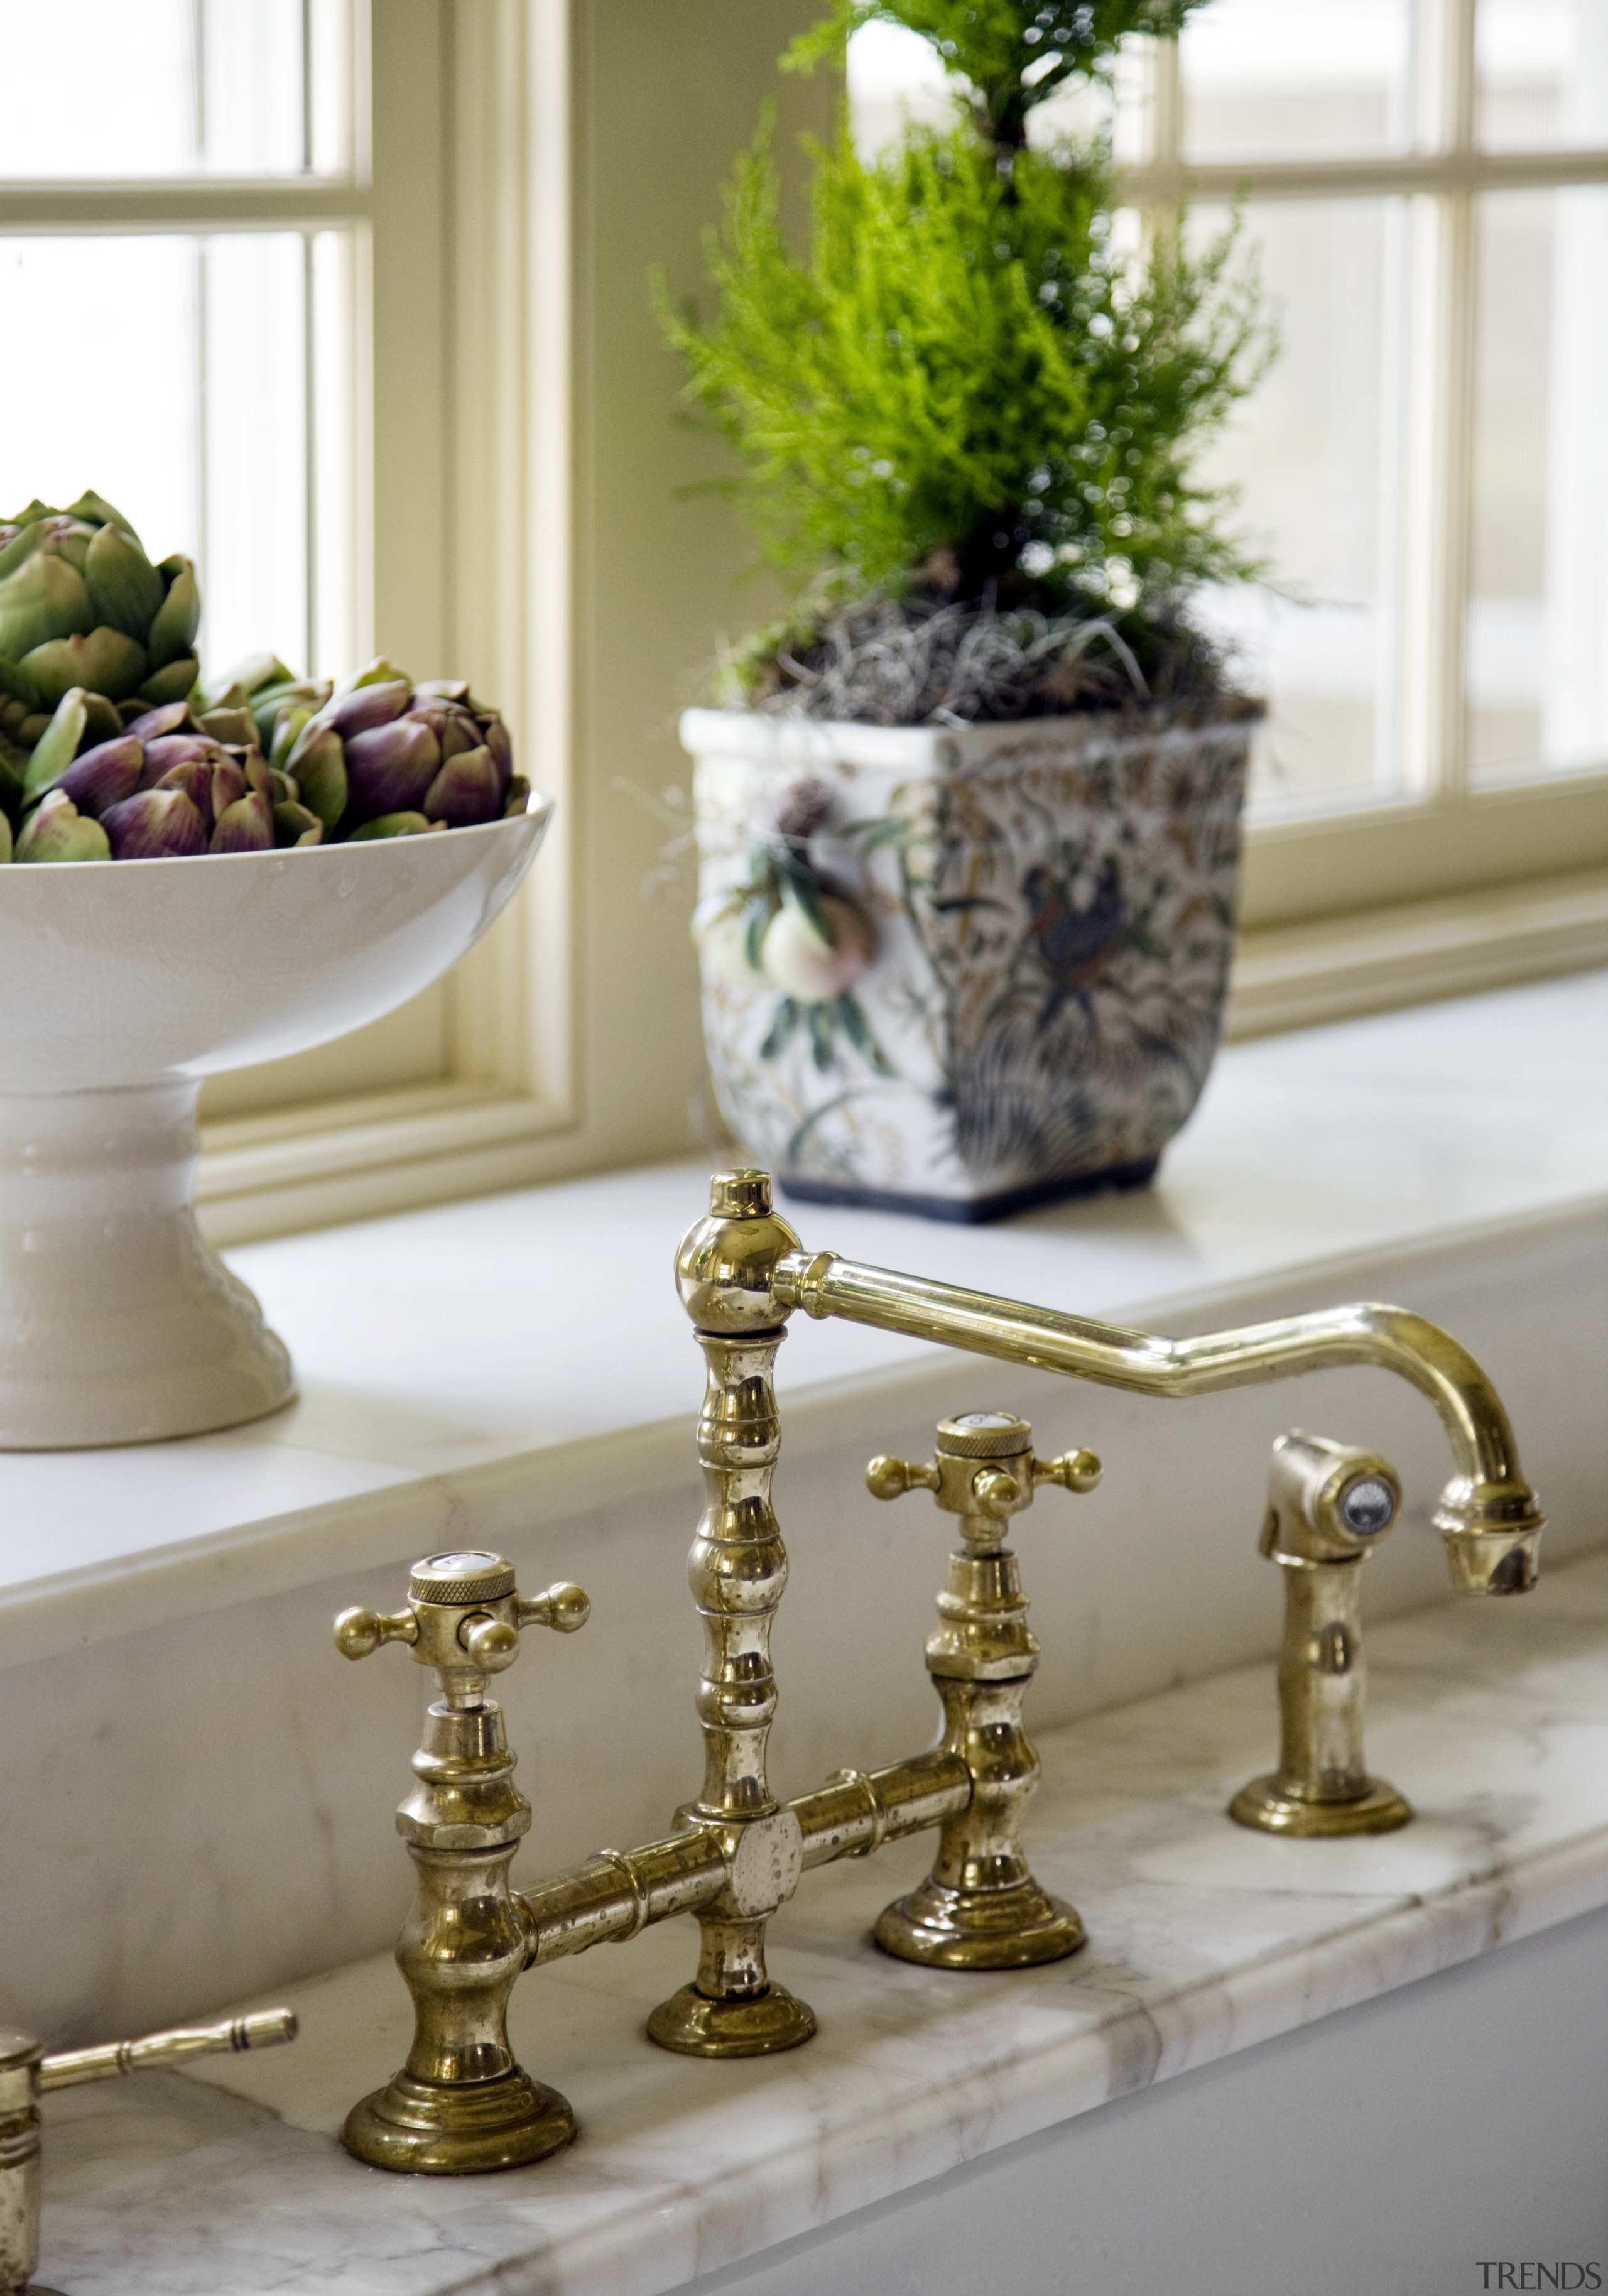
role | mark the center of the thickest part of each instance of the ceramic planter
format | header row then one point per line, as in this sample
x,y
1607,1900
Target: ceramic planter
x,y
125,983
1054,906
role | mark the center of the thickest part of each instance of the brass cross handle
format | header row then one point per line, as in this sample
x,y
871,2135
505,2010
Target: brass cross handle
x,y
463,1616
985,1466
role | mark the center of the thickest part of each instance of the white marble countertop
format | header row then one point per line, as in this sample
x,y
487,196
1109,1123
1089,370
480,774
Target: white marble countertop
x,y
1493,1717
448,1358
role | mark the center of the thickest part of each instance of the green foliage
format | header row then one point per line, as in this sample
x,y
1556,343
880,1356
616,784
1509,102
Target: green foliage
x,y
966,387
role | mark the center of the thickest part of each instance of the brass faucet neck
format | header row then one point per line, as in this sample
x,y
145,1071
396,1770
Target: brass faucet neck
x,y
737,1570
1488,1514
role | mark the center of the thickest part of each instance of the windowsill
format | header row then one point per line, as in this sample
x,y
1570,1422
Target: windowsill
x,y
290,1170
517,1357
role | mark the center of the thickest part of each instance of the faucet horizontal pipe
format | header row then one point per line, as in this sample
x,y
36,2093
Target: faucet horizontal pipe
x,y
618,1893
856,1811
1487,1497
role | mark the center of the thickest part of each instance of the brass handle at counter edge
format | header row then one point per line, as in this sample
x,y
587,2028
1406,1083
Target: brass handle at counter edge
x,y
265,2028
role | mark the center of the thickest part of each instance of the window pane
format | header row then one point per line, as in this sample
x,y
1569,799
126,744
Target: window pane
x,y
205,447
121,420
166,87
252,558
1313,455
1295,78
894,78
1536,649
1542,73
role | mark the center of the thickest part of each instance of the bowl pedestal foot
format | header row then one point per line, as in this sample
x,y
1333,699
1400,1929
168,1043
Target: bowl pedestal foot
x,y
118,1323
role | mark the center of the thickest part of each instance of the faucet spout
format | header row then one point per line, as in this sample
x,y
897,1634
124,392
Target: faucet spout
x,y
1488,1514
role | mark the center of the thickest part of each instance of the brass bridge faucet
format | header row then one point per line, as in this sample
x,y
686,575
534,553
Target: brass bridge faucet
x,y
736,1853
26,2072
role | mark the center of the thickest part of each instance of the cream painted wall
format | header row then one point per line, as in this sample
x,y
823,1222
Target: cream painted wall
x,y
667,96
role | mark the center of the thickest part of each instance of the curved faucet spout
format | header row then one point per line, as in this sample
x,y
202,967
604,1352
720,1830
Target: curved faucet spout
x,y
1488,1514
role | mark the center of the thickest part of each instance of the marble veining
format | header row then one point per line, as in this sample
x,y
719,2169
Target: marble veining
x,y
1493,1717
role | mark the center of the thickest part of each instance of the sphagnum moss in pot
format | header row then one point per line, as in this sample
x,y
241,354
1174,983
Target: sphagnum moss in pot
x,y
251,868
968,823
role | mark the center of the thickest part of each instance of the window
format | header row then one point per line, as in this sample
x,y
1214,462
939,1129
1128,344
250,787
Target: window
x,y
1425,184
190,239
186,216
232,233
349,302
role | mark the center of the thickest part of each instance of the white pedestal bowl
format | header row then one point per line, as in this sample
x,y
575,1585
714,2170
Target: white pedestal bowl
x,y
123,984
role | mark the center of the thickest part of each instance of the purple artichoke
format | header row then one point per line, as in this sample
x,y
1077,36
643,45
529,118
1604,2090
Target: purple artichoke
x,y
389,768
245,826
380,758
103,776
382,749
154,824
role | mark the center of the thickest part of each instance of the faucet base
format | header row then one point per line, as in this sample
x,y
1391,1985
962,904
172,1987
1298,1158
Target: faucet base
x,y
757,2026
458,2129
1013,1928
1266,1805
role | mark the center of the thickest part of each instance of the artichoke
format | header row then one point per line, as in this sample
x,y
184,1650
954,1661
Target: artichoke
x,y
257,758
383,756
57,831
166,784
82,605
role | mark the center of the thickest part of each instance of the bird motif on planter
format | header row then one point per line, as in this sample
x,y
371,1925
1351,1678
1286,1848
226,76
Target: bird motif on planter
x,y
1074,945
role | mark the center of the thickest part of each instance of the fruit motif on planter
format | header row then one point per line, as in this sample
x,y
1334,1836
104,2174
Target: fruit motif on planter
x,y
791,926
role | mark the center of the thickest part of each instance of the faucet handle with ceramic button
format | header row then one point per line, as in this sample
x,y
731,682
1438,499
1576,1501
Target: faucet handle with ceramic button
x,y
985,1470
463,1617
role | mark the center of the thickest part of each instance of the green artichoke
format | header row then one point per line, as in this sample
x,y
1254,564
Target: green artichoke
x,y
81,605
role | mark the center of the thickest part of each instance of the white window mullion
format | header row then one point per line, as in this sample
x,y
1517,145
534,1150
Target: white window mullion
x,y
341,452
1167,111
1434,542
1437,416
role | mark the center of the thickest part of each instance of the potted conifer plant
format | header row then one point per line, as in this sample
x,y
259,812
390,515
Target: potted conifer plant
x,y
968,818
